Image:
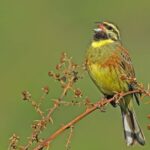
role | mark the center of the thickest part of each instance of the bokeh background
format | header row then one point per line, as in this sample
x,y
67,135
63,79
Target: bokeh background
x,y
33,33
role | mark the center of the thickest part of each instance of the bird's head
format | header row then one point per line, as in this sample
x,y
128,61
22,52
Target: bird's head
x,y
106,30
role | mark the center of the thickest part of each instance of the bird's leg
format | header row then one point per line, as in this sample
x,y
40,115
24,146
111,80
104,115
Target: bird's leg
x,y
113,103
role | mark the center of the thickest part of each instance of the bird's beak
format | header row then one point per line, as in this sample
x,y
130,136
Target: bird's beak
x,y
97,30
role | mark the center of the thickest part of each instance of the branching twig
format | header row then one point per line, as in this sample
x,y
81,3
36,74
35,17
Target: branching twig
x,y
68,73
69,138
97,105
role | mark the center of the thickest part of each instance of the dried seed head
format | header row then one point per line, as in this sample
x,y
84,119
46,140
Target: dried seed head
x,y
78,93
63,78
58,66
63,57
26,95
14,141
45,89
50,74
57,75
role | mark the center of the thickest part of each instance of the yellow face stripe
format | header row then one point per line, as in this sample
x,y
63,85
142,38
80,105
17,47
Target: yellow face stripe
x,y
98,44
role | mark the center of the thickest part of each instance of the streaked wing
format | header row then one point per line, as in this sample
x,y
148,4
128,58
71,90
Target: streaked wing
x,y
125,61
126,64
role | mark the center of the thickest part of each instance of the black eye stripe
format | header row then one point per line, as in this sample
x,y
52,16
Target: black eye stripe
x,y
109,27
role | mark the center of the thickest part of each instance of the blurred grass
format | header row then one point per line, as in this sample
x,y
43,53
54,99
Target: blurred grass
x,y
33,35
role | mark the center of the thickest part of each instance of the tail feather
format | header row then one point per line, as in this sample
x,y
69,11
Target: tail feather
x,y
132,131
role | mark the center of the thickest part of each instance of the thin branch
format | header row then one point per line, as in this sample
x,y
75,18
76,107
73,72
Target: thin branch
x,y
117,97
67,74
69,138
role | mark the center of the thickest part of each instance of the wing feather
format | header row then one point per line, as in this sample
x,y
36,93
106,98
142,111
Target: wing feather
x,y
128,68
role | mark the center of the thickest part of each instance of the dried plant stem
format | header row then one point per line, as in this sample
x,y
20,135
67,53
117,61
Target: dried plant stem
x,y
67,74
69,138
88,111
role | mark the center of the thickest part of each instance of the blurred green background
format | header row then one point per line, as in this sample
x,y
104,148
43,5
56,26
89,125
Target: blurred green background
x,y
33,33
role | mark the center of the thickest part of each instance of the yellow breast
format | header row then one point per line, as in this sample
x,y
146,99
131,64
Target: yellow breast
x,y
107,79
98,44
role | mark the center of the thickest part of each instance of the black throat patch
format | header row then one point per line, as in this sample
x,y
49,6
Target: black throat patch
x,y
100,36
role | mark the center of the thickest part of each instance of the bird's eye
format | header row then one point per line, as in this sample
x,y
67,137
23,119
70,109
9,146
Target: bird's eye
x,y
109,28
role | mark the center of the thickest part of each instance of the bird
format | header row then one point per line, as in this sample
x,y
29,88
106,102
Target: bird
x,y
107,61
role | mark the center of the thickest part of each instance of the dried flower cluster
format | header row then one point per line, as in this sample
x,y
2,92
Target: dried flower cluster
x,y
67,74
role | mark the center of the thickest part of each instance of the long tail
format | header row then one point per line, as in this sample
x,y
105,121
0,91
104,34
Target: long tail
x,y
132,131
